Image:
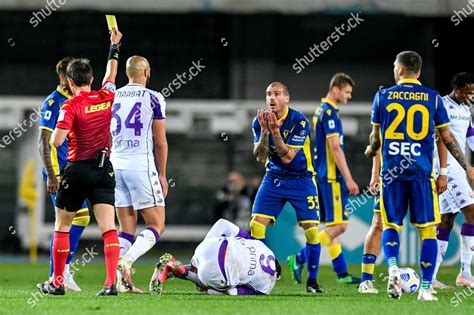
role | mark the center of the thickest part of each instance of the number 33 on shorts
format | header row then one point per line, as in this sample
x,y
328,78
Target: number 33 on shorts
x,y
313,203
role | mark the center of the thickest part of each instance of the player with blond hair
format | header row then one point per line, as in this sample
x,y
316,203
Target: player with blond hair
x,y
334,179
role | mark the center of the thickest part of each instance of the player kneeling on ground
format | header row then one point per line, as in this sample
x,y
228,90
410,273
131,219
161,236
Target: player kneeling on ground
x,y
228,261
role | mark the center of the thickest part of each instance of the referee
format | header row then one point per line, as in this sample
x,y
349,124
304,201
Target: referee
x,y
85,120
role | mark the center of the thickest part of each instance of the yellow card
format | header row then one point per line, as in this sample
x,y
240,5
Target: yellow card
x,y
111,22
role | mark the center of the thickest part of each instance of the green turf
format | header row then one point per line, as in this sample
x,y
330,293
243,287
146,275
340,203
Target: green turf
x,y
17,283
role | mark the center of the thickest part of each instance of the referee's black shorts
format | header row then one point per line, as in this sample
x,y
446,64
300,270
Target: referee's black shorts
x,y
85,180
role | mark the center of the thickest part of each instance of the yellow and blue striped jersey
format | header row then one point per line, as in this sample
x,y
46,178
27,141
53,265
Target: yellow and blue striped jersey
x,y
408,114
49,117
326,124
296,133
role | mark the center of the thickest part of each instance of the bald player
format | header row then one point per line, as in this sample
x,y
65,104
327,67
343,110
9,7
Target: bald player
x,y
138,128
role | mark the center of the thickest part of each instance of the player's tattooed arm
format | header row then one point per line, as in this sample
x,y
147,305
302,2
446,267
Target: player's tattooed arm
x,y
453,146
262,147
284,152
52,182
374,140
281,147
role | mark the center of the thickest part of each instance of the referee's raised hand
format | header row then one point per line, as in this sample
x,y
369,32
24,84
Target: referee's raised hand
x,y
115,36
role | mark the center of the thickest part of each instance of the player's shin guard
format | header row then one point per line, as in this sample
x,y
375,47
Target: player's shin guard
x,y
442,237
324,238
144,242
78,226
126,241
391,246
60,252
338,261
467,247
312,251
368,267
429,249
258,230
111,253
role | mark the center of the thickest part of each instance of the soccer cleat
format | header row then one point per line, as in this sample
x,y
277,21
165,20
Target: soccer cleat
x,y
438,285
47,287
313,287
173,265
367,287
110,290
69,283
394,284
349,279
465,280
295,267
158,279
433,291
121,288
426,295
125,268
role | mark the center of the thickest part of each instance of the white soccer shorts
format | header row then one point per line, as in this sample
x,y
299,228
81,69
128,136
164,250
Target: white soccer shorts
x,y
458,195
139,189
215,266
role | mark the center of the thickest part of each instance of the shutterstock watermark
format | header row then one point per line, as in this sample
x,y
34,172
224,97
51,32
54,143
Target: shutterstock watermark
x,y
389,177
183,78
319,49
460,297
86,258
463,14
21,128
50,7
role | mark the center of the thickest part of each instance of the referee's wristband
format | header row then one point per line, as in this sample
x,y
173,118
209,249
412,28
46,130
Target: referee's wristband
x,y
443,171
114,51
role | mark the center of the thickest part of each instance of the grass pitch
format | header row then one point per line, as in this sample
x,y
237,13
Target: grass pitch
x,y
18,296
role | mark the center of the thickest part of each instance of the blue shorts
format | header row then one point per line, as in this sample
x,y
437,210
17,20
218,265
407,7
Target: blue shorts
x,y
333,200
418,196
274,192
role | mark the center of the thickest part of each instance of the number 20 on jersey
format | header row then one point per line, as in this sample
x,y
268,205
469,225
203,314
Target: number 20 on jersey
x,y
402,147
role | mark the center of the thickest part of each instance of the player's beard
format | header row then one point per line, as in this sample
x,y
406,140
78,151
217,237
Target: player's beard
x,y
65,86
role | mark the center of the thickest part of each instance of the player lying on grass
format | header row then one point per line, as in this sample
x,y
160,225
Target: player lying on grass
x,y
228,261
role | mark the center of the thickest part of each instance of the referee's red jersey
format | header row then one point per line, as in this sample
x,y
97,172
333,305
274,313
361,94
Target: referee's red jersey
x,y
87,117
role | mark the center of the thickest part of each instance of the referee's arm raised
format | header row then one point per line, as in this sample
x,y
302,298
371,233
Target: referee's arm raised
x,y
112,63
